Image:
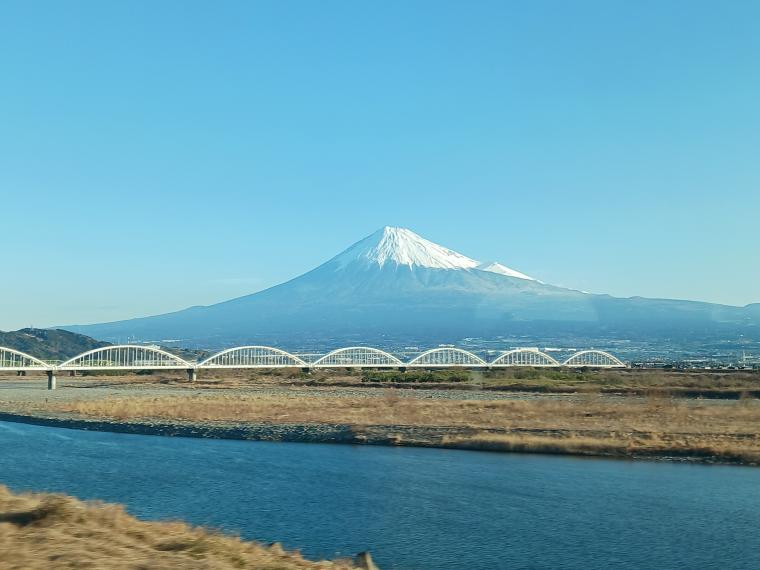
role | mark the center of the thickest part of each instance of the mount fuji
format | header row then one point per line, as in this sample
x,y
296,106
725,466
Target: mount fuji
x,y
394,284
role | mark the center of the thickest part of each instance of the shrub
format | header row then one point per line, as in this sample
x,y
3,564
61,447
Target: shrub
x,y
415,376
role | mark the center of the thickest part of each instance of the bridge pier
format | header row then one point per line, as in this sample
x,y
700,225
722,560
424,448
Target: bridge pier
x,y
51,380
192,374
21,373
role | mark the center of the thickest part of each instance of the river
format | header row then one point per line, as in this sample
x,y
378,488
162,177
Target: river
x,y
414,509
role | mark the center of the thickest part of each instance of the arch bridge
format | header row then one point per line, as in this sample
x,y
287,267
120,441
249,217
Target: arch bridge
x,y
16,361
142,357
252,357
126,357
594,359
357,357
524,357
445,357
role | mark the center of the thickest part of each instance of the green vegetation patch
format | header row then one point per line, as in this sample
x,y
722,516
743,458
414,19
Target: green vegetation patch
x,y
416,376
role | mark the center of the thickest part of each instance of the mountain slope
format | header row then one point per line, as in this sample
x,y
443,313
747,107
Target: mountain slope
x,y
396,283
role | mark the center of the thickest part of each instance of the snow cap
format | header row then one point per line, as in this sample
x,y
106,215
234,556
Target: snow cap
x,y
496,267
400,246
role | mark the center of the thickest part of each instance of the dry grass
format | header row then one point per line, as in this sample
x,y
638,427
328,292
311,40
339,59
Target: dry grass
x,y
626,422
41,531
627,379
585,424
390,407
714,447
715,382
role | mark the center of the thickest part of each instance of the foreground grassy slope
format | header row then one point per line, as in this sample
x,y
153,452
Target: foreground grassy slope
x,y
42,531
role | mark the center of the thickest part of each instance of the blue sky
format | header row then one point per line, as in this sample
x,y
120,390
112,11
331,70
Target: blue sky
x,y
156,155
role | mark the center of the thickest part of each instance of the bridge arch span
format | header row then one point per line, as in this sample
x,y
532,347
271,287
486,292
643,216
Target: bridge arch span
x,y
13,360
358,357
252,357
446,356
594,358
525,357
126,357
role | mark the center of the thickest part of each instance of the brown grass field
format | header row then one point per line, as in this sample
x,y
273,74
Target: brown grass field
x,y
43,531
673,382
700,415
686,383
392,407
583,424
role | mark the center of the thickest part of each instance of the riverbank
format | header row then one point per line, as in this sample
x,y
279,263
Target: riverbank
x,y
605,425
590,443
44,531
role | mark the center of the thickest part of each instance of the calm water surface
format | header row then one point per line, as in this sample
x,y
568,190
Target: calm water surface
x,y
413,508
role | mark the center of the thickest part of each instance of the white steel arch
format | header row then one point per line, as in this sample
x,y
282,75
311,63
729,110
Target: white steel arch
x,y
594,358
252,357
358,357
14,360
446,356
525,357
126,357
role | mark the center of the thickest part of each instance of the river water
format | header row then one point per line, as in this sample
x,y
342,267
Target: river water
x,y
412,508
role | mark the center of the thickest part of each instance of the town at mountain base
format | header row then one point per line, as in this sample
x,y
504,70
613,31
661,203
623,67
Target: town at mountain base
x,y
394,284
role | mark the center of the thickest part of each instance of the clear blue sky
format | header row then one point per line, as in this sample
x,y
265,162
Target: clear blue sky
x,y
156,155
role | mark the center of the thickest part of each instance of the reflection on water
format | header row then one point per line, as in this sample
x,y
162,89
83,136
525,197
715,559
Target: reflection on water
x,y
413,508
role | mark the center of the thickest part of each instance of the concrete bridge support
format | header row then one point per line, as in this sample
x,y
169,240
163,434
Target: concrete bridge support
x,y
192,374
21,373
51,380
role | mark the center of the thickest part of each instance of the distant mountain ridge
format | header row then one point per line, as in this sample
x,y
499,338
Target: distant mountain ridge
x,y
396,283
49,344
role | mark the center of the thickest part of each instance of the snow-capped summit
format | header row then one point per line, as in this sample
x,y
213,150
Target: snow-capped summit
x,y
396,247
400,246
495,267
